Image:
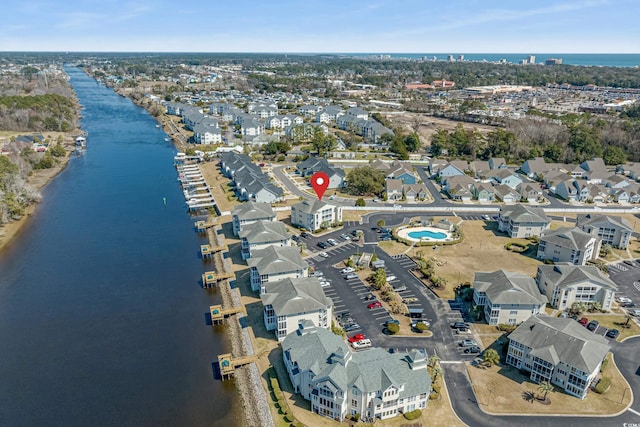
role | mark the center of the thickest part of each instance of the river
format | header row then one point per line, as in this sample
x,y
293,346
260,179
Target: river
x,y
102,319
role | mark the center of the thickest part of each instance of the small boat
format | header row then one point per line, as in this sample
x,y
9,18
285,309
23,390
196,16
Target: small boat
x,y
157,126
81,141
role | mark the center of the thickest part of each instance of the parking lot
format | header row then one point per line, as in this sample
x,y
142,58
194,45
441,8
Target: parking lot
x,y
626,274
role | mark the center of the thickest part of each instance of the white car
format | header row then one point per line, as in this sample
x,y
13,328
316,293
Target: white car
x,y
362,344
347,270
324,255
391,278
324,283
623,300
332,242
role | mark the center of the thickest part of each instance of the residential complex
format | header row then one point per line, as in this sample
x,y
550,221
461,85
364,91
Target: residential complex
x,y
568,245
338,382
565,284
273,264
522,221
262,234
290,301
612,230
557,350
313,215
249,213
507,297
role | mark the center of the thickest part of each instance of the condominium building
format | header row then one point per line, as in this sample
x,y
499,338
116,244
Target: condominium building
x,y
250,212
313,215
273,264
568,245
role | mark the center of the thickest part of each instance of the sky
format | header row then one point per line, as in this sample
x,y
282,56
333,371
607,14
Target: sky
x,y
316,26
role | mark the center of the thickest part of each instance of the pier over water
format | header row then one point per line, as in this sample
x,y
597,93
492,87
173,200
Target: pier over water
x,y
102,314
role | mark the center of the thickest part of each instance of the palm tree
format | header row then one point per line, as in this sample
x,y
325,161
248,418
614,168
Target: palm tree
x,y
545,387
433,361
477,311
491,357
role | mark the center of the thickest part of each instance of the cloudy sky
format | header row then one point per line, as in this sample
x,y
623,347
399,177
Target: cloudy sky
x,y
378,26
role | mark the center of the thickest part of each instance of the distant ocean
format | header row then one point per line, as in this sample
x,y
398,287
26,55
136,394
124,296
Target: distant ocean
x,y
588,59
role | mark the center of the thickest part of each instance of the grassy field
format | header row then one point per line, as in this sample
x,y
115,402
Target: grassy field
x,y
503,390
219,184
483,249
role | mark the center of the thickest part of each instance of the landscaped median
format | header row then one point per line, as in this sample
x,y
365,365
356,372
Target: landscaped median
x,y
503,390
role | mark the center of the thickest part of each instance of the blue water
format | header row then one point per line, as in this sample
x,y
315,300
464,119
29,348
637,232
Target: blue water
x,y
587,59
102,319
426,233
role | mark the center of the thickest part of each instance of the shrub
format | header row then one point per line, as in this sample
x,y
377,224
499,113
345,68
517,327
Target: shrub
x,y
506,328
605,362
603,385
435,388
413,415
421,327
360,202
393,328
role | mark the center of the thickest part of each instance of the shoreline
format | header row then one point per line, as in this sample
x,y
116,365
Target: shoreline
x,y
40,179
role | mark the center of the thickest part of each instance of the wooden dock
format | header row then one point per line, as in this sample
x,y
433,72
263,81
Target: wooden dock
x,y
202,226
218,313
228,364
211,278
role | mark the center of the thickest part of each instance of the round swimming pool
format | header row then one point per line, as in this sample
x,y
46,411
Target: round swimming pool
x,y
437,235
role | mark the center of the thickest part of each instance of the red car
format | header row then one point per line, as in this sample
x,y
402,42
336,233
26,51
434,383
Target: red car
x,y
356,338
375,304
583,321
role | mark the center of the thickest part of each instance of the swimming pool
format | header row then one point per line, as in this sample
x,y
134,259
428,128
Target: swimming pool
x,y
427,233
424,234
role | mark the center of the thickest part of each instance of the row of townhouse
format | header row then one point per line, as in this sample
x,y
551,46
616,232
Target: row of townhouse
x,y
558,350
250,182
278,272
205,129
307,167
396,190
591,181
357,120
339,383
496,185
396,170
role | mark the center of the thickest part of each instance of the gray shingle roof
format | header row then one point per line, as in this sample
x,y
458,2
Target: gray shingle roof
x,y
565,275
370,370
293,296
276,260
571,238
310,206
521,213
253,210
264,232
506,287
554,338
600,220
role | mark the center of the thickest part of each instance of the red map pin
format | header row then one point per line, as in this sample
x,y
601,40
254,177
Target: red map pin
x,y
320,182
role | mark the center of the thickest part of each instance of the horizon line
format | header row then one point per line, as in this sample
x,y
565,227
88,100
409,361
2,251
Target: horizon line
x,y
322,53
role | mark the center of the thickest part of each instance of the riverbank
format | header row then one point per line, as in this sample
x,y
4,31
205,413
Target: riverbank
x,y
38,179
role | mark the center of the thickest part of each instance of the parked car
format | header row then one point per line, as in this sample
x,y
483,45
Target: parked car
x,y
463,331
324,255
390,278
613,333
370,297
323,245
345,237
485,217
410,300
347,270
593,325
351,276
295,238
316,273
375,304
324,284
361,344
356,337
332,242
623,300
468,343
399,288
458,325
635,312
305,234
583,321
354,233
474,349
351,327
628,305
